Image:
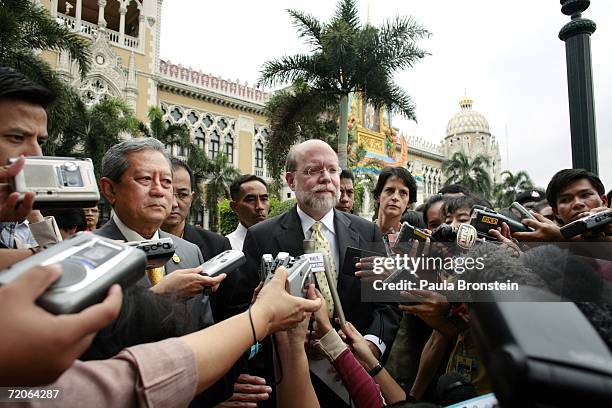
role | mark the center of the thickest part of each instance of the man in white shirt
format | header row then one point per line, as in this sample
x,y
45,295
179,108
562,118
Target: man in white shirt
x,y
250,203
312,172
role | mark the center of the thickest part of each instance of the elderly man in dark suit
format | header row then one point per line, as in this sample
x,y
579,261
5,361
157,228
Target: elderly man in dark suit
x,y
312,172
137,182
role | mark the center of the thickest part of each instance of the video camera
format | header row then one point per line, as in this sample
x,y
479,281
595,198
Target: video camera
x,y
484,219
591,222
90,265
58,182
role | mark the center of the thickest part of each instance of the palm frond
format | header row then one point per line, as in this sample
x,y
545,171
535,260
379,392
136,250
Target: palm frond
x,y
309,28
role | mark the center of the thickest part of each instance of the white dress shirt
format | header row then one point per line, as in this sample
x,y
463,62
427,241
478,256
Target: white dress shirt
x,y
236,238
330,234
130,234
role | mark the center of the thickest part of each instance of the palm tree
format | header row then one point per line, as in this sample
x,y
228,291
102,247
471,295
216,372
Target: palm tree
x,y
90,132
295,115
350,57
170,135
218,174
473,174
511,184
25,28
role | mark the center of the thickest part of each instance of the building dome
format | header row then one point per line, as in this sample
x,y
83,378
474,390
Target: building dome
x,y
467,120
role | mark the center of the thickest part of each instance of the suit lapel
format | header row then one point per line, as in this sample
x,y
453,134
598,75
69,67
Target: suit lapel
x,y
345,235
190,234
110,230
291,237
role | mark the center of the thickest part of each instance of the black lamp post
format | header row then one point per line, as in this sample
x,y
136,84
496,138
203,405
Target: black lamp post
x,y
577,37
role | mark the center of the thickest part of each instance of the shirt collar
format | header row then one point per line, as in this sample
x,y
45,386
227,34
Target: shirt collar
x,y
307,221
130,234
241,229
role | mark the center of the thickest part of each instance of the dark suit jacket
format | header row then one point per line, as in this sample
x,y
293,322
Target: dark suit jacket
x,y
210,244
284,233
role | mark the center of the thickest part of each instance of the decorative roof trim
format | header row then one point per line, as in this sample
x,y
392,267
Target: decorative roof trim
x,y
179,88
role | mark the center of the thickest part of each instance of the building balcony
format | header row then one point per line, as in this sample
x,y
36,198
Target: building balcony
x,y
90,30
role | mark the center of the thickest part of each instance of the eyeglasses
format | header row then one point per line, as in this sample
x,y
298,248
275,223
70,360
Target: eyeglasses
x,y
181,195
318,171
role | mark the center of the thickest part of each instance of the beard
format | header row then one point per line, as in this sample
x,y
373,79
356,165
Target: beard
x,y
312,200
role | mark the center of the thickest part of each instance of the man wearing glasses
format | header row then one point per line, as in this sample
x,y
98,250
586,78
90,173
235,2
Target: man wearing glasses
x,y
210,244
312,172
137,182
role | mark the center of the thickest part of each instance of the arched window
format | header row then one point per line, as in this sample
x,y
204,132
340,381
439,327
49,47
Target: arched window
x,y
229,148
259,155
214,144
199,137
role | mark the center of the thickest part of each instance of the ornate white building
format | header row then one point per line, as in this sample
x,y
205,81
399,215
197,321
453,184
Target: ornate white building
x,y
468,132
223,115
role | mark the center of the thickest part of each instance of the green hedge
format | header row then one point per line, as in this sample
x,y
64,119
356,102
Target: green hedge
x,y
228,220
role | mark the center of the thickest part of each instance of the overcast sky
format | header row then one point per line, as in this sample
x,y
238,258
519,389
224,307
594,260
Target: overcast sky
x,y
506,54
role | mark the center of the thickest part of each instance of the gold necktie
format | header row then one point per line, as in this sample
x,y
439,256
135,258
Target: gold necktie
x,y
155,275
322,246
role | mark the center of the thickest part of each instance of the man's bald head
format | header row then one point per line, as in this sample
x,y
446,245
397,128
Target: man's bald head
x,y
298,152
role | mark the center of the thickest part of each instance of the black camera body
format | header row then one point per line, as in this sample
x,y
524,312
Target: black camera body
x,y
589,223
408,232
484,219
158,251
90,265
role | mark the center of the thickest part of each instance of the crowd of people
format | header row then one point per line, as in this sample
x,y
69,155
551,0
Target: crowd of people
x,y
181,338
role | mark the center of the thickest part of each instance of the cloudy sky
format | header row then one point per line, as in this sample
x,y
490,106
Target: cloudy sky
x,y
505,54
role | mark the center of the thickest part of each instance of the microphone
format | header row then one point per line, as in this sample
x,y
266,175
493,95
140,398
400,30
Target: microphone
x,y
309,248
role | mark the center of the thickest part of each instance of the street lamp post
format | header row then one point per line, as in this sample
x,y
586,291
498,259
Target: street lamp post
x,y
577,37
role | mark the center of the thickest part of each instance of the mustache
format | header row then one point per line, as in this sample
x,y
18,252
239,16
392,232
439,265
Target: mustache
x,y
324,187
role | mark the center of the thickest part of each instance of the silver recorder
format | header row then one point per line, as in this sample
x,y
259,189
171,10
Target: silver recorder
x,y
299,271
224,262
90,265
58,182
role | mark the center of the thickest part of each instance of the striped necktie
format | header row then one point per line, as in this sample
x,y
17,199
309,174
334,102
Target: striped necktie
x,y
322,246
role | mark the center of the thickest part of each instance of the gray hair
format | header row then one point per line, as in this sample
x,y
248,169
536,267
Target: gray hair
x,y
292,158
115,161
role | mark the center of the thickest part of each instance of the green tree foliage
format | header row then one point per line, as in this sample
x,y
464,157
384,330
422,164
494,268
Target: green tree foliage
x,y
511,184
296,114
90,132
169,134
26,27
218,174
228,221
473,174
348,56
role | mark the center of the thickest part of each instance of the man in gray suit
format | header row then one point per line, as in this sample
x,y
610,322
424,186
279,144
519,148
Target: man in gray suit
x,y
137,182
